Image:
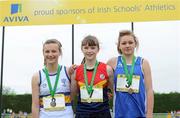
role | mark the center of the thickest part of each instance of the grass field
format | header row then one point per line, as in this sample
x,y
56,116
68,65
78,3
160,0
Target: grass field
x,y
155,115
160,115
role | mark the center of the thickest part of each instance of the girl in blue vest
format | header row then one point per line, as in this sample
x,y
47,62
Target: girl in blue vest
x,y
133,93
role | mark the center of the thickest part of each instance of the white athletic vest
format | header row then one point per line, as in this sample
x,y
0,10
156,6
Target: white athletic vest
x,y
63,87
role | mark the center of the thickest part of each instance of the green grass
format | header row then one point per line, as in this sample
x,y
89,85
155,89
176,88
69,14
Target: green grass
x,y
160,115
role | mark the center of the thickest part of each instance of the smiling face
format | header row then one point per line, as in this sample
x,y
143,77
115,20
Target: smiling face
x,y
90,52
51,53
90,47
127,45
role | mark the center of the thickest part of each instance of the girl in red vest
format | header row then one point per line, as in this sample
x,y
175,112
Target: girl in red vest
x,y
91,81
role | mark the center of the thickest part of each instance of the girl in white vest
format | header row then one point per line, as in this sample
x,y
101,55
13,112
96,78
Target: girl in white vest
x,y
51,85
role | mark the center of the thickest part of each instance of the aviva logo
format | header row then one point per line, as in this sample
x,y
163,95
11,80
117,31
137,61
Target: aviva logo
x,y
16,8
14,17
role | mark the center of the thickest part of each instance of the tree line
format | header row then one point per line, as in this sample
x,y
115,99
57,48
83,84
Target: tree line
x,y
163,103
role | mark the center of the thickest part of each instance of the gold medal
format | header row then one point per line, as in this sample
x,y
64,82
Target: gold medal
x,y
89,100
130,91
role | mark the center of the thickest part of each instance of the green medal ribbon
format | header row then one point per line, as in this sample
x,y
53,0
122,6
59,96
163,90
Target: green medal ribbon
x,y
89,88
128,76
52,91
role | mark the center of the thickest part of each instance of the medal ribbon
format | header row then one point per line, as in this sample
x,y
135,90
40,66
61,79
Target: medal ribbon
x,y
89,88
128,76
52,91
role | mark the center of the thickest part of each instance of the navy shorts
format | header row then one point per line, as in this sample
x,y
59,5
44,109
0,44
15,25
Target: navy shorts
x,y
93,115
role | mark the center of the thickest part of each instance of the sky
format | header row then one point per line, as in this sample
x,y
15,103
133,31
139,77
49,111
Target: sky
x,y
159,44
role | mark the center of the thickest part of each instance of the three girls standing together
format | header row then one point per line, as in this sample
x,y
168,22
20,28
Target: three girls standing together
x,y
128,76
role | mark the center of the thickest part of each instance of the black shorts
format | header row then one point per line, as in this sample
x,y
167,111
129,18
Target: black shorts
x,y
94,115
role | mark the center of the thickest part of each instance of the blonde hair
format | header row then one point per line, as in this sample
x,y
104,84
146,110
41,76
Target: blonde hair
x,y
54,41
125,33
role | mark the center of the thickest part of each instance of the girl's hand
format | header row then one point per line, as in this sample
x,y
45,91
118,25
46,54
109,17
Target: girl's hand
x,y
72,68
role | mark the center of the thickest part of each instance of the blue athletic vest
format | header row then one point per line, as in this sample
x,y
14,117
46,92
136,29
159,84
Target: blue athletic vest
x,y
129,105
